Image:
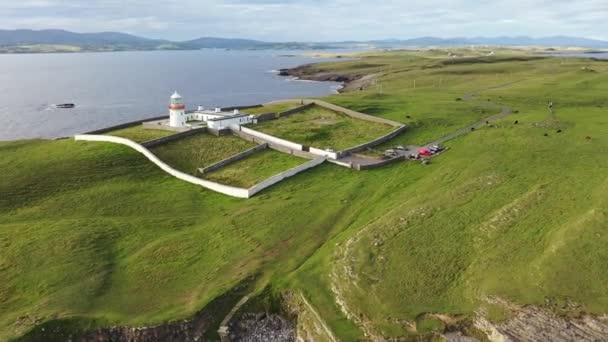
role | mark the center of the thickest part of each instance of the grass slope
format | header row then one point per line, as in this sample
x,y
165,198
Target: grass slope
x,y
323,128
247,172
200,150
139,134
273,108
93,230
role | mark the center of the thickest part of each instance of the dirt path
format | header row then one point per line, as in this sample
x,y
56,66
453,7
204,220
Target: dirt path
x,y
367,162
470,97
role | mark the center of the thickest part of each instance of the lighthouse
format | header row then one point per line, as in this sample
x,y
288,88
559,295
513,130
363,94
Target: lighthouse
x,y
177,111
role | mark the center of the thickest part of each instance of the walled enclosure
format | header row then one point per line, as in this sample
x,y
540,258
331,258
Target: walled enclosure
x,y
224,189
316,156
399,128
281,176
221,188
234,158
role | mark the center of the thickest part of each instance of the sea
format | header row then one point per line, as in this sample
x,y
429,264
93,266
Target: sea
x,y
598,55
115,87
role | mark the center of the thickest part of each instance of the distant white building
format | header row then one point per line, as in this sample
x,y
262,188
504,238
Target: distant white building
x,y
215,119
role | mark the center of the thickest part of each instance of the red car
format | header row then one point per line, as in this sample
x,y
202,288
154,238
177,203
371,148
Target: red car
x,y
425,152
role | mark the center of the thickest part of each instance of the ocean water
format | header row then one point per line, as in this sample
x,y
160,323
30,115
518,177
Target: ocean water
x,y
598,55
116,87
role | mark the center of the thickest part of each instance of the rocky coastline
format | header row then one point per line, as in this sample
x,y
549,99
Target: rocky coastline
x,y
309,72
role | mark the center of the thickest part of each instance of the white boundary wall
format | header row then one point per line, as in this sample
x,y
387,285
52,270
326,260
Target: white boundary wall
x,y
345,111
319,152
270,138
224,189
281,176
227,122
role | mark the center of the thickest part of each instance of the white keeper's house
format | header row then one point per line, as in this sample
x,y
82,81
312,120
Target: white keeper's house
x,y
215,119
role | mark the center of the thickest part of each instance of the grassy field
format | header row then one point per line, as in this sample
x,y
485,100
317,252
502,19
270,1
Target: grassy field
x,y
96,233
139,133
200,150
323,128
247,172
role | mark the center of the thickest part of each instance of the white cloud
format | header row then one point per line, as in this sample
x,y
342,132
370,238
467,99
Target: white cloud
x,y
314,20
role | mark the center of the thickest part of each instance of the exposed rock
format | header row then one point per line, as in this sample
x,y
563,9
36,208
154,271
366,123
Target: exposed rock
x,y
188,331
261,327
201,327
458,337
308,72
531,323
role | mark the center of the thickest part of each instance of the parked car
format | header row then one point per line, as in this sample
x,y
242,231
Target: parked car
x,y
390,153
401,148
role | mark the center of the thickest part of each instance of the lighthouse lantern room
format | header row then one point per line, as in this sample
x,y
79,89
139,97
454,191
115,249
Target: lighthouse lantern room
x,y
177,111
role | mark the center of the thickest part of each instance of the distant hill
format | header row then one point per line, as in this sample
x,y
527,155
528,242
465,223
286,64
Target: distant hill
x,y
30,41
221,43
555,41
83,40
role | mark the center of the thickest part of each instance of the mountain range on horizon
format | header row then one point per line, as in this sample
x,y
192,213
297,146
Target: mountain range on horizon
x,y
24,41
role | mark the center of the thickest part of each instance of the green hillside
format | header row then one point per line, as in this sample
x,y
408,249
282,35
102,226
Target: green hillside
x,y
96,233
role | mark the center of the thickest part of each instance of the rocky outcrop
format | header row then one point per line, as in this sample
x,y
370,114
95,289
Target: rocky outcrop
x,y
532,323
350,82
308,72
202,326
261,327
187,331
310,326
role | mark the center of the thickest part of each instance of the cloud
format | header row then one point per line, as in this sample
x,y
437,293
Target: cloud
x,y
314,20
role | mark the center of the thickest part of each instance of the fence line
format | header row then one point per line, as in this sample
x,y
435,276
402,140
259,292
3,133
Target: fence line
x,y
281,176
230,160
125,125
172,137
221,188
375,142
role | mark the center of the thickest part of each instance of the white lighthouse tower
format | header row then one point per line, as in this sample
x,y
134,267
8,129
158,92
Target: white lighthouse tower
x,y
177,111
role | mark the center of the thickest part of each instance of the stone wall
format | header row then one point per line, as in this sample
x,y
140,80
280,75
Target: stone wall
x,y
273,145
233,159
319,152
224,189
345,111
297,153
295,110
230,109
274,116
339,163
125,125
156,142
375,142
221,132
281,176
266,117
269,138
359,167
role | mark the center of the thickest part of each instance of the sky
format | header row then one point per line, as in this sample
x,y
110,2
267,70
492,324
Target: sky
x,y
313,20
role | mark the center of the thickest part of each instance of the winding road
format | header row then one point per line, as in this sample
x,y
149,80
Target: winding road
x,y
469,97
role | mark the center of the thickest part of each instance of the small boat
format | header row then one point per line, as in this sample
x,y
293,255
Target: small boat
x,y
64,105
